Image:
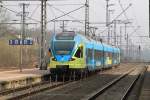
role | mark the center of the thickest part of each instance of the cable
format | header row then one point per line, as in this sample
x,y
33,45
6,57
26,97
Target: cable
x,y
17,13
65,14
17,5
126,15
123,9
34,0
52,12
133,12
34,10
134,31
66,4
118,16
121,13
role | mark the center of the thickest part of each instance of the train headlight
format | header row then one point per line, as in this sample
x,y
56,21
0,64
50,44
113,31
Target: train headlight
x,y
72,59
54,59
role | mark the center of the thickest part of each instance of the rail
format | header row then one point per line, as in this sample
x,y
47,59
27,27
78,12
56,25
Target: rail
x,y
97,93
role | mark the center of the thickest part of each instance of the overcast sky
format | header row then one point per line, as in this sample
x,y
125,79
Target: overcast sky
x,y
138,13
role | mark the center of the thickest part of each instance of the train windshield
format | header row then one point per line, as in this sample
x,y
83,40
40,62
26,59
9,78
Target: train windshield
x,y
63,47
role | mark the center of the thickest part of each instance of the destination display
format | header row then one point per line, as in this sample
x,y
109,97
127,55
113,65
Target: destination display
x,y
65,36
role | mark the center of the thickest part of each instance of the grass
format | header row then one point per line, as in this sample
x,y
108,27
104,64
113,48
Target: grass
x,y
10,55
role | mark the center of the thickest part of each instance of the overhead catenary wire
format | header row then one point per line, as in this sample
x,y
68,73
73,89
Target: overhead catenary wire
x,y
34,0
121,13
18,12
65,14
123,9
4,13
17,5
118,16
37,8
66,4
34,10
135,30
52,11
128,18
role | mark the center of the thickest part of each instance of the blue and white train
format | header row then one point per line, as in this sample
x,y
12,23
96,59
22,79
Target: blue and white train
x,y
70,51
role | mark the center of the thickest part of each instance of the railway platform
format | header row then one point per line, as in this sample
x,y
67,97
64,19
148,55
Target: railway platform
x,y
16,79
145,91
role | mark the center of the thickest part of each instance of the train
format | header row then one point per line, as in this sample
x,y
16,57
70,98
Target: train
x,y
73,52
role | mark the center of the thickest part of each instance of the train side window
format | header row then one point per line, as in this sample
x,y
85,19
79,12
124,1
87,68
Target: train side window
x,y
79,52
98,54
116,55
89,53
110,55
106,54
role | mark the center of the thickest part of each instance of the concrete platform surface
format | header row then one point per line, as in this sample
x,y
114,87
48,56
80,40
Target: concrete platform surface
x,y
145,91
15,78
16,74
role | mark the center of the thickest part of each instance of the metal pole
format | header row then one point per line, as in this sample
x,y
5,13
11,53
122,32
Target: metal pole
x,y
87,17
115,36
126,39
108,39
133,52
54,27
107,13
111,36
127,45
63,25
0,6
23,21
120,37
107,21
139,53
20,63
43,36
22,34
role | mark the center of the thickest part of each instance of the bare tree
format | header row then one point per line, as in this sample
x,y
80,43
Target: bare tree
x,y
4,17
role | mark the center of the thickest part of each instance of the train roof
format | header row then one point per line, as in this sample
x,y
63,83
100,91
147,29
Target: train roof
x,y
90,43
116,50
108,48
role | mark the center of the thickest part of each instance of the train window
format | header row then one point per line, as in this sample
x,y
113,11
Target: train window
x,y
98,54
89,53
65,36
63,48
106,54
116,55
79,52
110,54
49,52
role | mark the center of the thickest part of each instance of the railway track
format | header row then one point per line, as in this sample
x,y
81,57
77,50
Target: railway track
x,y
18,93
21,92
64,88
79,89
112,91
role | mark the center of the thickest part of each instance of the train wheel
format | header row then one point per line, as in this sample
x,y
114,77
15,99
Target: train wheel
x,y
70,76
81,75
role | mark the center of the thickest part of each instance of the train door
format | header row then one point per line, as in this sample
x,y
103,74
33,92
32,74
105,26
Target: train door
x,y
80,56
79,52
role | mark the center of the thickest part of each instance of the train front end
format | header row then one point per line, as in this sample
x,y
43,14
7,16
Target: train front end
x,y
67,54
